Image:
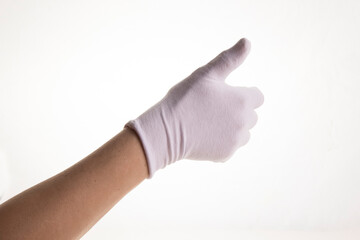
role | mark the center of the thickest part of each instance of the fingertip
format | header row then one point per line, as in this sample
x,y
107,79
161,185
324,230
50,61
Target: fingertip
x,y
240,51
258,97
243,46
253,118
244,138
245,43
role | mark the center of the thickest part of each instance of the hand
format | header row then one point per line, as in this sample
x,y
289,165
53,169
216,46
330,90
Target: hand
x,y
201,117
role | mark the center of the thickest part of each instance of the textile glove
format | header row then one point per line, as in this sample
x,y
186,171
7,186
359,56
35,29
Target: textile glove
x,y
201,117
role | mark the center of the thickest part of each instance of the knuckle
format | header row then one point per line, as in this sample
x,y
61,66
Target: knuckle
x,y
253,119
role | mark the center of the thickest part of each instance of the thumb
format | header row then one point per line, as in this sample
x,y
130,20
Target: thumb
x,y
227,61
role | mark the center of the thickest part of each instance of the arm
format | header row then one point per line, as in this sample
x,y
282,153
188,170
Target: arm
x,y
67,205
200,118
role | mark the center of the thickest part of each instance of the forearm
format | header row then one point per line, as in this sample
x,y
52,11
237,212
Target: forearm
x,y
200,118
67,205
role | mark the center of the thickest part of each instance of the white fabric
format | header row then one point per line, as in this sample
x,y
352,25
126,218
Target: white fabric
x,y
201,117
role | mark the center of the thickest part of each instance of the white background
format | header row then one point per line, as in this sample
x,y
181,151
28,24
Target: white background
x,y
72,73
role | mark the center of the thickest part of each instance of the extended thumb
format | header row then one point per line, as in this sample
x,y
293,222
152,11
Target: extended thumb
x,y
227,61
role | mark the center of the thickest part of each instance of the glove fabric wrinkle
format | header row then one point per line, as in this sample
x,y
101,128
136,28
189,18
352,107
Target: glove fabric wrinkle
x,y
201,117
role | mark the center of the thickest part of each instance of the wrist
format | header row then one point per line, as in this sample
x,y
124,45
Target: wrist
x,y
137,150
152,136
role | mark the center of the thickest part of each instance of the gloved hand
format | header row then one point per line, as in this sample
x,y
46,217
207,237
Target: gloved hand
x,y
201,117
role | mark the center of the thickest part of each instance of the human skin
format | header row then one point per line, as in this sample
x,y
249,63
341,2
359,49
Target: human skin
x,y
67,205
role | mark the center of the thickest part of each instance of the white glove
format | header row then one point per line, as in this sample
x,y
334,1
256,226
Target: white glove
x,y
201,117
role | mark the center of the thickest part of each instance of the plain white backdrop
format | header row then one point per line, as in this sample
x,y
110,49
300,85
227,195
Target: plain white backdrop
x,y
72,73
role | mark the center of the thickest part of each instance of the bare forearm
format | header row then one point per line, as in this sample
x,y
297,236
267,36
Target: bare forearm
x,y
67,205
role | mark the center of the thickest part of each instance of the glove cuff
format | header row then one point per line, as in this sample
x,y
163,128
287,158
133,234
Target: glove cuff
x,y
153,135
